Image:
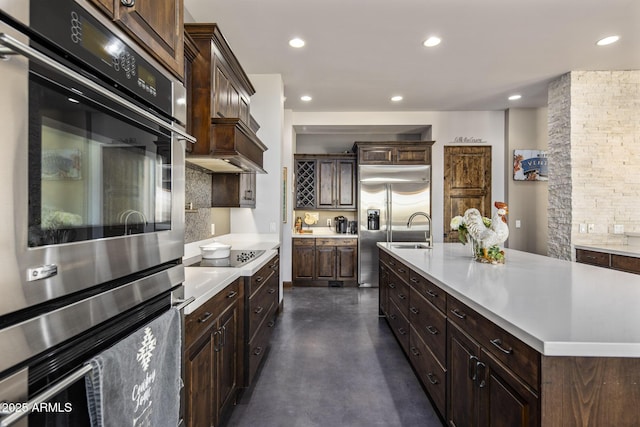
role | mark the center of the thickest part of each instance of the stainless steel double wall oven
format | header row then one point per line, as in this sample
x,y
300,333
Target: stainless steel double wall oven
x,y
92,196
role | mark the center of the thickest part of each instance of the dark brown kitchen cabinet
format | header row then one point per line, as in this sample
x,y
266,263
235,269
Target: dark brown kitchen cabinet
x,y
609,260
482,391
233,190
304,255
213,357
262,299
319,261
156,26
393,152
336,186
326,181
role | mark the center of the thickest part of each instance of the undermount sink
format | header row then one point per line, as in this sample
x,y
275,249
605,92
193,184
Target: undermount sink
x,y
410,246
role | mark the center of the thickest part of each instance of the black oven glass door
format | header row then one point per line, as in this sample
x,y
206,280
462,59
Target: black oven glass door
x,y
96,170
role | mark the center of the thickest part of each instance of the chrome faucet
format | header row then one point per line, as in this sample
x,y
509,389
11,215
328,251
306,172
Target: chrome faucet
x,y
428,238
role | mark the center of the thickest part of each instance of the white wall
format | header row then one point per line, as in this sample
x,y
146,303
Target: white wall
x,y
267,107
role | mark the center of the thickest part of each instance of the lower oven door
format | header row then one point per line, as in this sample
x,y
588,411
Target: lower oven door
x,y
50,390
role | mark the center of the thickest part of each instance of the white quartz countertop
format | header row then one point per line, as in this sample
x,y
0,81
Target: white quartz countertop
x,y
559,308
626,250
203,283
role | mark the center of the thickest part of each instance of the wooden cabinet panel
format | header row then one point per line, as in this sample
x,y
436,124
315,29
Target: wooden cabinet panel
x,y
227,366
106,5
625,263
462,406
394,152
592,257
346,262
431,292
408,155
345,185
430,371
375,155
304,259
320,260
158,26
325,262
430,323
383,289
199,401
399,325
399,293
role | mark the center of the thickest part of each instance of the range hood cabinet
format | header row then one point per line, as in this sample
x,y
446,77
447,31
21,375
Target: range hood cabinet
x,y
233,148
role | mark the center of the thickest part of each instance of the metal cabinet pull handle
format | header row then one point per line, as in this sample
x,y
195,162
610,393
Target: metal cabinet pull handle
x,y
257,351
498,343
473,368
271,324
414,310
271,291
392,286
206,317
432,294
402,331
415,351
402,296
259,279
258,310
432,330
128,3
432,379
401,270
393,316
458,314
232,294
414,280
216,346
223,336
482,375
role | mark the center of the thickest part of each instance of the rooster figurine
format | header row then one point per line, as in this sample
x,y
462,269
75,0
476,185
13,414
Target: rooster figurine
x,y
490,236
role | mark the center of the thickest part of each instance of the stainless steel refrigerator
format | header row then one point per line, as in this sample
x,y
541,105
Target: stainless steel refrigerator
x,y
392,193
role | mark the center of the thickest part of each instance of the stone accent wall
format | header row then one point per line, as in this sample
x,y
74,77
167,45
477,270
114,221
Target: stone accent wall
x,y
600,111
198,192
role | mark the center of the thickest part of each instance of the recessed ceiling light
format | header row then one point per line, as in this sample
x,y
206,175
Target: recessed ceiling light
x,y
396,98
608,40
305,98
297,42
432,41
515,97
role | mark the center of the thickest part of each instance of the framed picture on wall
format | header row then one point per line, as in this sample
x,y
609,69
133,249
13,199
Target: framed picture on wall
x,y
530,165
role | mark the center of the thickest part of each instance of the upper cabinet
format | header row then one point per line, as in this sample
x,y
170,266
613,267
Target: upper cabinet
x,y
326,181
219,108
394,152
155,25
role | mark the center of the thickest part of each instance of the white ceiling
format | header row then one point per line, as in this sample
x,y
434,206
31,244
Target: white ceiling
x,y
359,53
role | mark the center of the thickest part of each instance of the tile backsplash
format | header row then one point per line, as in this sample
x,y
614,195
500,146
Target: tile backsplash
x,y
198,193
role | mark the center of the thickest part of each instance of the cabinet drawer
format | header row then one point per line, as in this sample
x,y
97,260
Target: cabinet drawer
x,y
625,263
260,278
431,292
399,325
259,307
384,257
399,293
523,360
429,323
304,242
429,370
345,242
399,268
257,350
204,317
592,257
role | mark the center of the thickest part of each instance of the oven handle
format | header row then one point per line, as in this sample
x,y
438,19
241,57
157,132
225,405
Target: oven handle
x,y
182,303
29,52
45,396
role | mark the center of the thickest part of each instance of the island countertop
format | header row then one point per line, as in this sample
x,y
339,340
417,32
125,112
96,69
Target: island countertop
x,y
559,308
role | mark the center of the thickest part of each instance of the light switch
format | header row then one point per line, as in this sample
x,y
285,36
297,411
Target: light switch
x,y
583,228
618,229
591,228
213,229
518,223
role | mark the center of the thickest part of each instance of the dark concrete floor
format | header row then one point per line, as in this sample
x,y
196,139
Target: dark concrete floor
x,y
333,362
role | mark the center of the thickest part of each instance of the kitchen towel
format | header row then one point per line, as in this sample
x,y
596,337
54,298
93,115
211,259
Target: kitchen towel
x,y
136,382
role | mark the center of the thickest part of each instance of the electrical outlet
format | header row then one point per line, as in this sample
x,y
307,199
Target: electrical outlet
x,y
328,222
582,228
272,227
518,223
591,228
618,229
213,229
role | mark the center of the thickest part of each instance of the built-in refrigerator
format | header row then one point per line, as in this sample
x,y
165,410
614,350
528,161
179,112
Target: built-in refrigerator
x,y
388,196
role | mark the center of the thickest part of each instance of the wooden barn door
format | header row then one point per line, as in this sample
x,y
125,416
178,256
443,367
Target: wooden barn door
x,y
467,183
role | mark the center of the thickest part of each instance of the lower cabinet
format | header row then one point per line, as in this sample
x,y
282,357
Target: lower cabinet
x,y
319,261
609,260
213,342
261,300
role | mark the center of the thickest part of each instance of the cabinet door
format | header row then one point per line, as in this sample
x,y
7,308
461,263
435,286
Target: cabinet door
x,y
158,25
303,259
462,406
248,190
504,400
346,262
106,5
345,184
375,155
410,155
221,95
325,185
199,401
325,263
227,356
384,289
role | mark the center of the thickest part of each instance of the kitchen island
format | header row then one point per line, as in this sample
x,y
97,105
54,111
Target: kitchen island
x,y
536,341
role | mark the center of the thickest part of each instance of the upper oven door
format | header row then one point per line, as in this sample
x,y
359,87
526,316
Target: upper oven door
x,y
92,182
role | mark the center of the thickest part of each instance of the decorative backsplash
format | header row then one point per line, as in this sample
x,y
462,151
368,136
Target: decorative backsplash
x,y
198,193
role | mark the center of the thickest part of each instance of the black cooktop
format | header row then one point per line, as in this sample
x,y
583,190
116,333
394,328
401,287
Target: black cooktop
x,y
236,258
